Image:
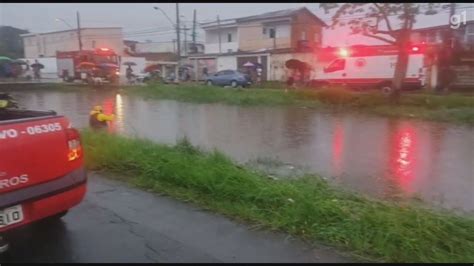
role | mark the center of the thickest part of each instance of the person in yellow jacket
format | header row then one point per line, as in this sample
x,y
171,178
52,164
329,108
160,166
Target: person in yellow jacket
x,y
6,101
97,119
3,104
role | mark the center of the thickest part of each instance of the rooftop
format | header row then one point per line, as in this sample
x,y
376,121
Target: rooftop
x,y
268,15
72,30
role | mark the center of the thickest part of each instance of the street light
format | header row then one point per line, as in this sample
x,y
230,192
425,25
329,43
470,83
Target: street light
x,y
164,13
65,22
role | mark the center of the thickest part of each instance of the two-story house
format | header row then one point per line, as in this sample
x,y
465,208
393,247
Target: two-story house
x,y
259,39
437,38
286,29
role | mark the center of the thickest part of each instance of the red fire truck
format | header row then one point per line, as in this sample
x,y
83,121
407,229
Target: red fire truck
x,y
42,172
102,63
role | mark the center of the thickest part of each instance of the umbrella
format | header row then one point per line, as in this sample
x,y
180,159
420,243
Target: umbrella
x,y
19,62
4,58
128,63
37,65
293,64
86,65
151,68
248,64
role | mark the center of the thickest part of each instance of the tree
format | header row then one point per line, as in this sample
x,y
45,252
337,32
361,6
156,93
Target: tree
x,y
10,42
378,21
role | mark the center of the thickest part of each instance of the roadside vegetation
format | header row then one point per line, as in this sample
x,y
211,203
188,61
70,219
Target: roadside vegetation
x,y
422,105
307,207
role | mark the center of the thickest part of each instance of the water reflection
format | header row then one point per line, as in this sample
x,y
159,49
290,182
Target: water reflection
x,y
403,157
337,147
378,156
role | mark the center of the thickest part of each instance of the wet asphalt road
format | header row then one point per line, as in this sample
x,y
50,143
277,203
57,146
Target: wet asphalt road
x,y
117,223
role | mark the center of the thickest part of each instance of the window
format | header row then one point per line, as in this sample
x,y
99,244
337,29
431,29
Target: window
x,y
93,44
316,37
229,37
303,35
431,37
470,34
470,29
264,31
336,65
422,37
272,33
470,39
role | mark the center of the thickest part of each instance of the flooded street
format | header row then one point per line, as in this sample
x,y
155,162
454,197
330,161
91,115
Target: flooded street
x,y
378,156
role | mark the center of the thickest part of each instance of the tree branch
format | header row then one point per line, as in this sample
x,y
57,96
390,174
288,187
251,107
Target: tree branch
x,y
391,33
379,38
384,15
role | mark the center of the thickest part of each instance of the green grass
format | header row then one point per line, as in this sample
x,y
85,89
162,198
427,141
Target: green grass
x,y
306,207
448,108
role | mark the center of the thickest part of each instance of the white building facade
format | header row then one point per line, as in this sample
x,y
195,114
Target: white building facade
x,y
229,36
38,45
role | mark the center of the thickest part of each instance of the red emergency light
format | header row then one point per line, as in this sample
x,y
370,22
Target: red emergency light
x,y
343,52
415,49
104,49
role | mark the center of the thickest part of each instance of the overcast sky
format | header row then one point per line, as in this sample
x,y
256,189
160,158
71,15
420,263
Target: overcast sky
x,y
141,22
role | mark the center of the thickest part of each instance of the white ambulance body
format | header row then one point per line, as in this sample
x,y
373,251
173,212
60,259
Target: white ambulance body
x,y
370,71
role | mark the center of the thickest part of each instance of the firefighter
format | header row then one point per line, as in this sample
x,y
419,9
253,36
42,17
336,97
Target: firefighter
x,y
6,101
97,119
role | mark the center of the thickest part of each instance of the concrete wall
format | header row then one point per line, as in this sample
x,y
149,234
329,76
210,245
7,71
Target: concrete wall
x,y
155,47
251,36
50,70
46,45
212,40
278,70
226,62
303,25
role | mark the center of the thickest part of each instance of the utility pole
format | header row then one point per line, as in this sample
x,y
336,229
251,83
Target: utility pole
x,y
194,30
178,39
178,44
79,30
219,29
185,40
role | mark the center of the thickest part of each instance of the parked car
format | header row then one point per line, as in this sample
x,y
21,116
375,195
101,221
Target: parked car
x,y
231,78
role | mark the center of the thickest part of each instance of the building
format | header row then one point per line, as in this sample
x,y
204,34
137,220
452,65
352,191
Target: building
x,y
293,28
436,35
456,52
46,44
227,29
231,43
168,47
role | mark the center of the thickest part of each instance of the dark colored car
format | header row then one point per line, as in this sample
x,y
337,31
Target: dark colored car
x,y
232,78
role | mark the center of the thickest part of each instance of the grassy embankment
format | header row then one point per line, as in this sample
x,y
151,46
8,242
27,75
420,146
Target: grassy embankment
x,y
307,207
449,108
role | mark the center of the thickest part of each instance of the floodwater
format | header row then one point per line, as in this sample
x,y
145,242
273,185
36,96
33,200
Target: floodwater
x,y
387,158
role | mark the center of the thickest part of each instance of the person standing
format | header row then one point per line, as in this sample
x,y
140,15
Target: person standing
x,y
205,72
129,74
259,75
36,69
